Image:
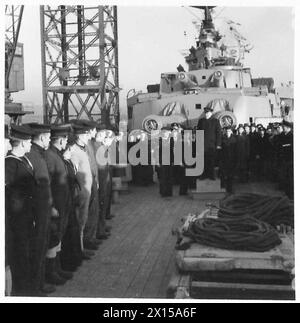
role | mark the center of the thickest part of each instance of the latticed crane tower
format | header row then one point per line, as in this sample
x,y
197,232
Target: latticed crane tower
x,y
80,63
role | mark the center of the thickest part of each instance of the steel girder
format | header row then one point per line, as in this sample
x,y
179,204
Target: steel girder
x,y
80,63
13,19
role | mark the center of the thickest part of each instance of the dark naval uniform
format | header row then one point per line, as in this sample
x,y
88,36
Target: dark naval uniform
x,y
228,161
165,172
286,170
243,152
20,187
212,139
42,210
59,187
71,254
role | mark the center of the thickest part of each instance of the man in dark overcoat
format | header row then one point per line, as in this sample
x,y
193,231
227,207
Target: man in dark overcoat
x,y
59,187
43,203
212,142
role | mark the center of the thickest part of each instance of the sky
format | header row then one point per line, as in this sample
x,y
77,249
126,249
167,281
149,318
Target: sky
x,y
151,38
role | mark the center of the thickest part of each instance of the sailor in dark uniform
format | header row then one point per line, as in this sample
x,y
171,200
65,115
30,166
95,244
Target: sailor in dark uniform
x,y
71,254
253,149
287,160
212,142
8,232
228,159
261,152
243,151
180,170
165,169
20,187
43,202
59,188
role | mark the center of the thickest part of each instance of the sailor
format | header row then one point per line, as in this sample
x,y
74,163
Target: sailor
x,y
89,236
212,141
261,152
243,151
228,159
183,180
84,176
71,254
59,188
287,159
253,148
105,181
247,129
20,187
8,232
278,135
43,202
165,168
270,153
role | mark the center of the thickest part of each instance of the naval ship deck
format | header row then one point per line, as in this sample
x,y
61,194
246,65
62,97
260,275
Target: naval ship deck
x,y
137,261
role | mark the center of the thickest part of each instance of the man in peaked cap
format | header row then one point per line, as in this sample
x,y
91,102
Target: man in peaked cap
x,y
228,159
84,176
212,142
19,191
43,202
59,188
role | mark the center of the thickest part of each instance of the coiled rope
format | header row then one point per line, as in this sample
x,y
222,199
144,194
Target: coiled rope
x,y
275,210
231,233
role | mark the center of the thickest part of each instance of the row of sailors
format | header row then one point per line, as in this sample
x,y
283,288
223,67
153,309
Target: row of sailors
x,y
58,201
243,153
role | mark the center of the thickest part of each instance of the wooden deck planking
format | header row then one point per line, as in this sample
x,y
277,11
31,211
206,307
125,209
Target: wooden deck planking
x,y
138,259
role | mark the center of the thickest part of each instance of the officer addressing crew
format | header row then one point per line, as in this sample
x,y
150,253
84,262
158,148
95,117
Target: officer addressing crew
x,y
20,187
59,188
212,142
43,203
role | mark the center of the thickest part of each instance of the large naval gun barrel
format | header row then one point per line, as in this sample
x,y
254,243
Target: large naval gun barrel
x,y
187,80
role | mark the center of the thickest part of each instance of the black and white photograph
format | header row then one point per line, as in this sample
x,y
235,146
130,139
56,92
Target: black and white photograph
x,y
149,153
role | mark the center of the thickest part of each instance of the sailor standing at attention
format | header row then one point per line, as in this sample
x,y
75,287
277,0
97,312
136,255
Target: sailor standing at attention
x,y
84,176
43,202
59,188
20,186
212,142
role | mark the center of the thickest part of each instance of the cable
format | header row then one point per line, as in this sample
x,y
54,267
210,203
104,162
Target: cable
x,y
275,210
247,234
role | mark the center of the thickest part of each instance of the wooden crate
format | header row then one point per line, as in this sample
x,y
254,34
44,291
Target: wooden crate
x,y
204,258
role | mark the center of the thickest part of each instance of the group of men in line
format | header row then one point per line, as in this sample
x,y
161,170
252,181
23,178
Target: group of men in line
x,y
58,199
246,152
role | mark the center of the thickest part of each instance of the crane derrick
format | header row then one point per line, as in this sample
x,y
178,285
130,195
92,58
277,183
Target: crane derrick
x,y
80,63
